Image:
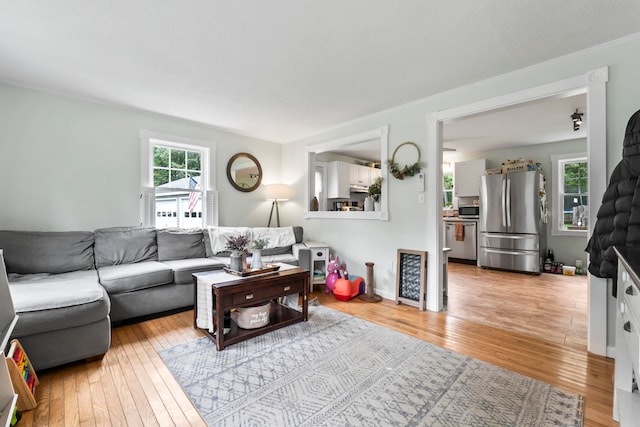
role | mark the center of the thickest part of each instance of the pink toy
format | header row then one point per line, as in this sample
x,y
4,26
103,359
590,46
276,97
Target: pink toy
x,y
334,269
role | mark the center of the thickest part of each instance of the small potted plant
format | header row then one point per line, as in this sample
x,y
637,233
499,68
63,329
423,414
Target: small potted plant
x,y
238,247
375,190
256,253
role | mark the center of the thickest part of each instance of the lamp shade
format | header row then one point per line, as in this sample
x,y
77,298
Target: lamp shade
x,y
277,192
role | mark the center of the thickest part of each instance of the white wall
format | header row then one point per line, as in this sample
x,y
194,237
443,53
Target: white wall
x,y
566,249
67,164
360,241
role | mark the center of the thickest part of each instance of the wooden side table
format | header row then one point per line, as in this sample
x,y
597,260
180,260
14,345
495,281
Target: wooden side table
x,y
319,262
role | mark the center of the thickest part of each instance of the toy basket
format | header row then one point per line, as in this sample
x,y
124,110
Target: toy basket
x,y
252,317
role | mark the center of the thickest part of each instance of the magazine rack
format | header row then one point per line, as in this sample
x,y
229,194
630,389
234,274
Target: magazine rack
x,y
411,278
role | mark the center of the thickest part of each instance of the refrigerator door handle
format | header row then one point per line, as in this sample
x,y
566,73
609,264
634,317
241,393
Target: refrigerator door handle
x,y
502,198
508,197
502,251
509,236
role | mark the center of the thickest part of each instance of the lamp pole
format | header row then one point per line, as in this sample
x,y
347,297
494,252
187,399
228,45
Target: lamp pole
x,y
274,204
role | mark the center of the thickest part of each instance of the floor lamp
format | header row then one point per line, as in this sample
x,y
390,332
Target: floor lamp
x,y
276,193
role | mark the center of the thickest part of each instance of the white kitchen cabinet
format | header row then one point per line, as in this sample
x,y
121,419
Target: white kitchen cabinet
x,y
359,175
338,180
342,175
374,173
466,177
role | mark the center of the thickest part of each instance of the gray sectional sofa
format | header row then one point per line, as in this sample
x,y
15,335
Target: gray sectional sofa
x,y
69,287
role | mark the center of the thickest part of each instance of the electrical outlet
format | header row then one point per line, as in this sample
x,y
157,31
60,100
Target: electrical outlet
x,y
421,198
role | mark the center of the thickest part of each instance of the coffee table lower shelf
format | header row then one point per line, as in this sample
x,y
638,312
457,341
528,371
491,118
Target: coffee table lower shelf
x,y
279,317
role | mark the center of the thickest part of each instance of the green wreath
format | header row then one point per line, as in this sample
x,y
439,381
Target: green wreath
x,y
407,170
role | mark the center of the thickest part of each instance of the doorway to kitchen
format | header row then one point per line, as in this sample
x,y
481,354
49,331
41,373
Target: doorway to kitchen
x,y
593,84
548,306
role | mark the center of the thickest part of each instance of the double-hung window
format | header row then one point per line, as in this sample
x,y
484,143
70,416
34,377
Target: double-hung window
x,y
447,188
177,190
571,195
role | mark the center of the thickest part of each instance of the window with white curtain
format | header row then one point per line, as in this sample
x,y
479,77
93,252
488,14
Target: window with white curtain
x,y
177,188
569,213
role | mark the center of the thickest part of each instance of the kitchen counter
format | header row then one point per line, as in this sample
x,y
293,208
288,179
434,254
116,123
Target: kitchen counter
x,y
457,219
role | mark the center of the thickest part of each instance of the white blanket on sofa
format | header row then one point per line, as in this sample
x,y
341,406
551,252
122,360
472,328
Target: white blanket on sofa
x,y
219,236
277,237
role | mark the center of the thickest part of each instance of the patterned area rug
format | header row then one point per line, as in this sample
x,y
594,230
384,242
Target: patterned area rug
x,y
338,370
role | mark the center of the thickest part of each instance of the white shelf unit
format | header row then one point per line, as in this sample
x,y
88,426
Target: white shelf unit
x,y
319,262
8,319
626,400
8,398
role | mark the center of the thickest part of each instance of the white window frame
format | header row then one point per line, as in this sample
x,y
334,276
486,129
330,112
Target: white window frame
x,y
380,134
445,191
148,139
557,175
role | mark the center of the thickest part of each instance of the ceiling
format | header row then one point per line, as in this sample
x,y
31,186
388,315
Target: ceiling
x,y
281,70
536,122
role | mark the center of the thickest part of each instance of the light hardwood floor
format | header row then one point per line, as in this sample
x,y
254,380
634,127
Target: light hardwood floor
x,y
131,386
552,307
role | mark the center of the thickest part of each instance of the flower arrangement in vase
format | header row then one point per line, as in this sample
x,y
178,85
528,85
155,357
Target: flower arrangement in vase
x,y
238,247
256,253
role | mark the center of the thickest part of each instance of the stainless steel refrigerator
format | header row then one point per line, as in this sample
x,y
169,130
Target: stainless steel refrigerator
x,y
512,231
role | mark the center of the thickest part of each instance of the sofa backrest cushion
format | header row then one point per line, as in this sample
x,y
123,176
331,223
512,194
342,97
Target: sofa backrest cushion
x,y
55,252
125,245
176,243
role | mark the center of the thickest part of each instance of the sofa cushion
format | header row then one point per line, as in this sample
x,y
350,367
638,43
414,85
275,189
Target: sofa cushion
x,y
177,243
130,277
51,302
125,245
29,252
184,268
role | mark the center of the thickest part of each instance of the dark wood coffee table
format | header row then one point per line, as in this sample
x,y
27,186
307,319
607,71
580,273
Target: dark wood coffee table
x,y
228,293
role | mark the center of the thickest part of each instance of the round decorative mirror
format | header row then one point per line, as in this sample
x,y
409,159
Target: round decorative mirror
x,y
244,172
